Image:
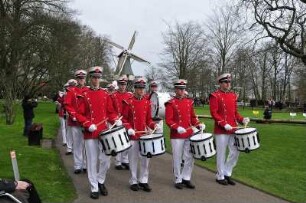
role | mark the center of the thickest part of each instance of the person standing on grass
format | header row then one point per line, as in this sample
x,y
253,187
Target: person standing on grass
x,y
71,106
180,117
223,109
28,104
136,118
94,113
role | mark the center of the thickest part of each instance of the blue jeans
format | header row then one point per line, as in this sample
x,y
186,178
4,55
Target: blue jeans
x,y
27,126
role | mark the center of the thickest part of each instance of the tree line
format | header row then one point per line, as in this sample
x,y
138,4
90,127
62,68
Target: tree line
x,y
262,43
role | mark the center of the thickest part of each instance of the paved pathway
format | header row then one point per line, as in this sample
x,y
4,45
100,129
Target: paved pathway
x,y
207,190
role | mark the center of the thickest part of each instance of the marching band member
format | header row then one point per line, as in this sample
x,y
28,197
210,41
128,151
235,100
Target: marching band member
x,y
122,160
224,111
180,117
94,110
61,114
110,88
71,106
71,85
136,117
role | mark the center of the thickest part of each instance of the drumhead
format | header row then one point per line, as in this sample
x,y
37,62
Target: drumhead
x,y
244,131
158,100
114,129
200,137
151,136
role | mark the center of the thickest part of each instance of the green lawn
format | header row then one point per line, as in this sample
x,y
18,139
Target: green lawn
x,y
42,166
278,166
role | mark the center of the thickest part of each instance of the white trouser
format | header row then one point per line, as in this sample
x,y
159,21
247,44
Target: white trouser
x,y
94,154
134,156
63,129
69,138
181,149
122,158
78,148
225,167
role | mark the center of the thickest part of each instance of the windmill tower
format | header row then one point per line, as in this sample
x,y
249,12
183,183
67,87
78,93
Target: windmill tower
x,y
124,58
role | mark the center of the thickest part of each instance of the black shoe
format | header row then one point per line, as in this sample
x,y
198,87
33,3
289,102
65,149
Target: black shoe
x,y
64,144
145,187
103,189
77,171
229,180
179,186
188,184
94,195
119,167
222,182
68,153
84,170
126,166
134,187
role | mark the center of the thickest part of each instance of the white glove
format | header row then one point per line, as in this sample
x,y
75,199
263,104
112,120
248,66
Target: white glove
x,y
181,130
74,119
92,128
131,131
228,127
202,126
118,122
246,120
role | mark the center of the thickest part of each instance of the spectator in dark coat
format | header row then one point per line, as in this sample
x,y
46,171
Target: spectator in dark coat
x,y
24,191
28,105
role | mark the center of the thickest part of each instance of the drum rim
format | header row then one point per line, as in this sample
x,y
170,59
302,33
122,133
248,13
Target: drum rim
x,y
245,133
205,157
111,130
117,151
151,138
202,139
154,154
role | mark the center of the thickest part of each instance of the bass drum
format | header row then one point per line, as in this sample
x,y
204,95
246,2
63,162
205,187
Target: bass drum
x,y
158,100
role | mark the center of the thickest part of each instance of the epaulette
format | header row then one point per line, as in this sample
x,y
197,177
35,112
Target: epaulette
x,y
169,102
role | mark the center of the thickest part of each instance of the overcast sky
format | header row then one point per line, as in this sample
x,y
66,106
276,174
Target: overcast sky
x,y
118,19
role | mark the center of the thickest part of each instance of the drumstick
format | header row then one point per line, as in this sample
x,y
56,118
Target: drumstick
x,y
240,127
115,123
154,129
144,131
101,122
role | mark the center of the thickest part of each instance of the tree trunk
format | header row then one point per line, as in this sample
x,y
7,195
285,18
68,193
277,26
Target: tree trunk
x,y
8,105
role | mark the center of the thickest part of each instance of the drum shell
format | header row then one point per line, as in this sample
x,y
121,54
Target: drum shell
x,y
152,145
247,139
115,141
203,148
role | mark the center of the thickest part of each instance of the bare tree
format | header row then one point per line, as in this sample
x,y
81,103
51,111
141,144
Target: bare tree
x,y
225,33
284,21
184,49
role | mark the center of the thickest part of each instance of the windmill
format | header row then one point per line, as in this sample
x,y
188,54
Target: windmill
x,y
125,56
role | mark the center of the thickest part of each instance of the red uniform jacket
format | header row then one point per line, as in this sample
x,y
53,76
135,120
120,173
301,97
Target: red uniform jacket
x,y
60,100
137,115
180,112
95,106
223,109
71,103
118,98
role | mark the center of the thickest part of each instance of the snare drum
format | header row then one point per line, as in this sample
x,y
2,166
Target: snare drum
x,y
115,140
152,145
158,100
202,145
247,139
